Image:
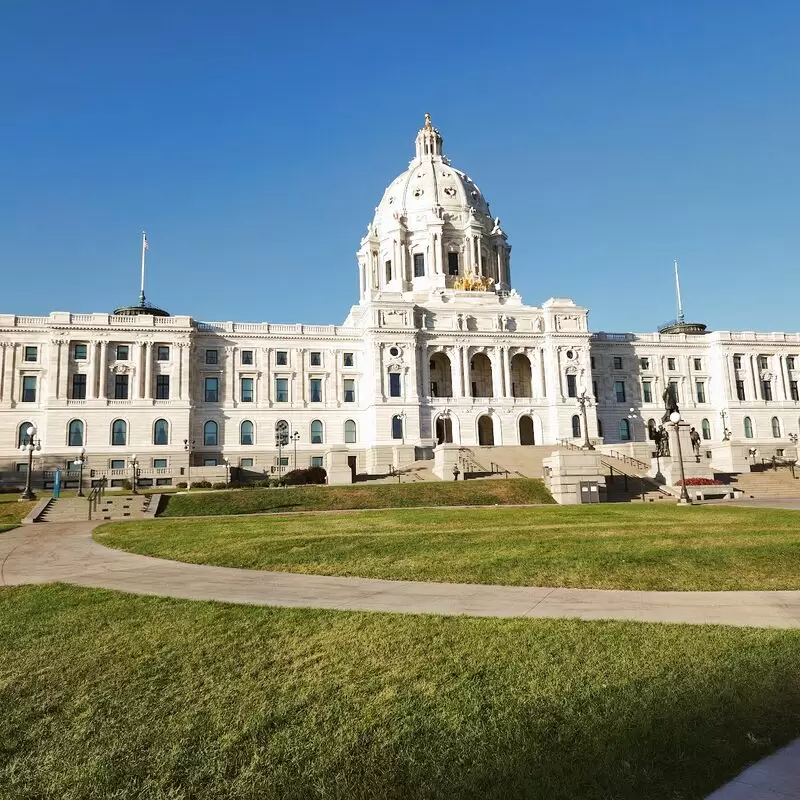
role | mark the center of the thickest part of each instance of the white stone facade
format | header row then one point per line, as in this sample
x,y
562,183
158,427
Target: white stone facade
x,y
439,348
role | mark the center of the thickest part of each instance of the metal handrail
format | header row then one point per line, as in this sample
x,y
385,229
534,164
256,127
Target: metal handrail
x,y
95,494
634,462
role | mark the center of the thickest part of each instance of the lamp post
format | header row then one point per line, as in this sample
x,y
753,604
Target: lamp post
x,y
294,437
134,464
632,416
675,419
726,434
280,441
32,444
584,401
188,446
80,462
227,464
402,416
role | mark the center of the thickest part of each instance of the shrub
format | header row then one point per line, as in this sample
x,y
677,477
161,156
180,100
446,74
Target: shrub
x,y
302,477
700,482
219,485
201,485
126,485
317,475
181,485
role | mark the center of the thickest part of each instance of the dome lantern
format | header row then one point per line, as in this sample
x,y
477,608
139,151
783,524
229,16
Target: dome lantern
x,y
429,140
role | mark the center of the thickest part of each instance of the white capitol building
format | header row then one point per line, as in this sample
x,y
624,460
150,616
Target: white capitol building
x,y
439,350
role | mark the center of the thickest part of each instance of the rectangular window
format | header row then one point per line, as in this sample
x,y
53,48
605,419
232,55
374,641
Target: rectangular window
x,y
247,357
644,363
452,263
120,387
79,352
647,392
281,390
766,390
349,390
670,363
23,467
698,364
740,390
281,358
315,390
316,359
159,463
283,461
793,390
123,352
117,463
591,361
572,386
245,462
789,362
317,461
435,389
700,391
673,385
162,387
617,362
209,462
347,360
419,265
78,387
162,353
619,391
594,390
247,390
737,362
212,357
763,362
31,353
395,390
29,389
211,393
388,266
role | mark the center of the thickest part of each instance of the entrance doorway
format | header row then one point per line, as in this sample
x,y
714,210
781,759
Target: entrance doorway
x,y
444,430
352,462
485,430
526,435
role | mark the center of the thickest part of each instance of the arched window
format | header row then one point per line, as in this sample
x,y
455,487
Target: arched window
x,y
705,426
75,434
624,430
281,433
748,428
599,427
316,432
397,427
651,429
576,427
119,433
776,428
210,432
160,432
349,432
246,433
23,437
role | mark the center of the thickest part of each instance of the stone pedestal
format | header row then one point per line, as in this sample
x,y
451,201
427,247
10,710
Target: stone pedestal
x,y
692,468
565,471
445,457
337,467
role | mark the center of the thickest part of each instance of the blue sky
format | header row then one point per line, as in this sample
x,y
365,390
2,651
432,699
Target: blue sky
x,y
253,140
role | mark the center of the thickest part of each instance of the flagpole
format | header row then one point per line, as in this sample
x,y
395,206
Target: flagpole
x,y
678,291
144,251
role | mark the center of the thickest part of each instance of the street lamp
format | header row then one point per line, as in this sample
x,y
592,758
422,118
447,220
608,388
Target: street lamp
x,y
584,401
402,416
675,419
134,463
632,416
32,444
726,434
294,437
227,464
80,462
188,446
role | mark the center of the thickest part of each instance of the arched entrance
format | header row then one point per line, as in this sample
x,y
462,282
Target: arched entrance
x,y
521,376
485,430
526,434
441,376
480,376
444,430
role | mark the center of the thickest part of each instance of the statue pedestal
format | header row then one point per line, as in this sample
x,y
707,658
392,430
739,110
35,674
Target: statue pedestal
x,y
671,468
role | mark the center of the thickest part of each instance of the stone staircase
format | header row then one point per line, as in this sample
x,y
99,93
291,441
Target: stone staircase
x,y
415,472
111,507
766,483
520,461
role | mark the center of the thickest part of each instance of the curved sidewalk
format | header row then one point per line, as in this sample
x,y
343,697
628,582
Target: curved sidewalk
x,y
67,553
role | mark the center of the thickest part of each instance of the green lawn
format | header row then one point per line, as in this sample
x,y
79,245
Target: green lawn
x,y
12,511
514,491
610,546
105,695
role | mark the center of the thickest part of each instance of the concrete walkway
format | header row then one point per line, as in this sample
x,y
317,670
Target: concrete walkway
x,y
66,552
777,777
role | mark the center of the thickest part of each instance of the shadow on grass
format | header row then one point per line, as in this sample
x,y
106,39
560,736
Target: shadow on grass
x,y
106,694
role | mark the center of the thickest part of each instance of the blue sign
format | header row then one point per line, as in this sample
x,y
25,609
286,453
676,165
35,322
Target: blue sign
x,y
57,483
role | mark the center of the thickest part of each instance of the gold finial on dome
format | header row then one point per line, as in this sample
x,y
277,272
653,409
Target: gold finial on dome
x,y
428,125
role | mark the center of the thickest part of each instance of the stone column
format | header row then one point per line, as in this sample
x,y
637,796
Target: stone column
x,y
185,371
3,346
497,372
425,372
53,367
148,371
138,368
542,373
507,371
782,369
230,373
466,372
102,371
91,371
456,365
754,373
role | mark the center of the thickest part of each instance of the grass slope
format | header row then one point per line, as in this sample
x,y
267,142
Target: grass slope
x,y
515,491
613,546
12,511
109,695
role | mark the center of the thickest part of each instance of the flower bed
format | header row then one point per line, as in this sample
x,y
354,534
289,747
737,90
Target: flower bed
x,y
700,482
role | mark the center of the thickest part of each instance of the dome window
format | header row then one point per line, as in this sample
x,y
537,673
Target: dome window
x,y
419,265
418,192
452,263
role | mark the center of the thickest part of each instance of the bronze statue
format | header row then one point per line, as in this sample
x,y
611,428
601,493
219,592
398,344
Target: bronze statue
x,y
670,402
661,439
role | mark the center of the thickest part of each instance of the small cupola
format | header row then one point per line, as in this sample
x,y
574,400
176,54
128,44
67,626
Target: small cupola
x,y
429,140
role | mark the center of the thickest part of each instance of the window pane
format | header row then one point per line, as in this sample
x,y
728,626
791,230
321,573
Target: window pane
x,y
117,463
316,432
647,392
701,391
247,390
397,427
576,427
29,389
347,360
212,357
247,356
159,463
766,390
670,363
349,391
78,387
644,363
162,387
316,359
162,353
119,432
619,391
282,390
281,358
31,353
316,390
122,352
698,364
212,390
572,386
617,362
75,438
161,432
120,387
748,428
394,384
706,428
245,462
624,430
740,390
210,434
349,432
246,433
79,352
452,263
419,265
